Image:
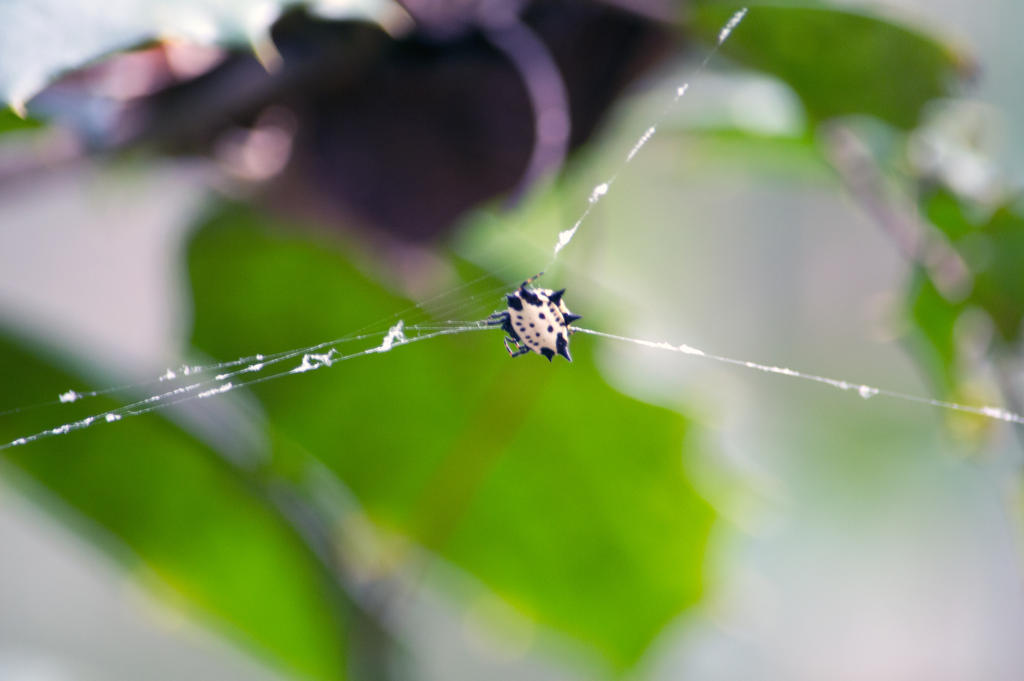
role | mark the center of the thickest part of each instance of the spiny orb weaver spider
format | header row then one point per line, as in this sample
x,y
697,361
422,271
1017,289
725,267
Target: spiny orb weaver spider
x,y
536,320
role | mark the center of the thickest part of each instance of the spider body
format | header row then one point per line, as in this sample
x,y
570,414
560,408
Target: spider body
x,y
536,320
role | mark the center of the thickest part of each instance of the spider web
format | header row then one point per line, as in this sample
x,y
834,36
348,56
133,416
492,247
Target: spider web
x,y
431,319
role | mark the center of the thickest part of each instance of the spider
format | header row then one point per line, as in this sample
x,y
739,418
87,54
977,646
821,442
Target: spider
x,y
536,320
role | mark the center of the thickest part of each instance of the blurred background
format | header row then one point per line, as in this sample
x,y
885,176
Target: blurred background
x,y
836,193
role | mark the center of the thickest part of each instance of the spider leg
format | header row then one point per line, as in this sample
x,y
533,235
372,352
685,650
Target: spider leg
x,y
519,349
531,279
503,320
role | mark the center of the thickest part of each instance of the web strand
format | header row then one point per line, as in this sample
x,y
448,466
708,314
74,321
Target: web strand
x,y
435,308
862,389
602,188
311,360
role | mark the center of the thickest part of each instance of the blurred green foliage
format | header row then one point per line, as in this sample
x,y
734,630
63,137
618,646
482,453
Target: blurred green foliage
x,y
11,121
565,498
838,62
990,244
181,517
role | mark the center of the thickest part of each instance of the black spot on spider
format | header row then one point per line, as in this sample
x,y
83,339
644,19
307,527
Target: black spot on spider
x,y
514,302
550,329
531,323
541,315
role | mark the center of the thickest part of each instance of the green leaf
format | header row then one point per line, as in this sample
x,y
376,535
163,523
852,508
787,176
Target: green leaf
x,y
999,278
945,211
933,317
40,39
10,121
781,157
839,62
566,498
992,248
178,516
